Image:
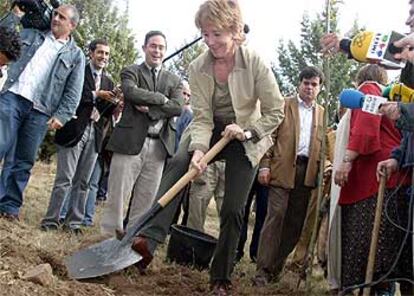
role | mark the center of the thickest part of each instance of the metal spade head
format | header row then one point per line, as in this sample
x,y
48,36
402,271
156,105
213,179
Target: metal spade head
x,y
102,258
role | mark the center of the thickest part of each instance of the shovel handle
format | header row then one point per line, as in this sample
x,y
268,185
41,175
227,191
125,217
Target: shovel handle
x,y
192,173
375,234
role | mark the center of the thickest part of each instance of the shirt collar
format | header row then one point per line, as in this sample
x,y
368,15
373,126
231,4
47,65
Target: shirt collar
x,y
157,69
51,36
306,106
95,71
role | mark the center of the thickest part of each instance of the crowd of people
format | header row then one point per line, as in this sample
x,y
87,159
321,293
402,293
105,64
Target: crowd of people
x,y
129,144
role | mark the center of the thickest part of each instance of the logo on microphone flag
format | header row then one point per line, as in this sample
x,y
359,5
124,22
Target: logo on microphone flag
x,y
372,104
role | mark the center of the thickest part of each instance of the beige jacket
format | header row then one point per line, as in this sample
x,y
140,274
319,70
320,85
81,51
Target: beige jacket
x,y
255,95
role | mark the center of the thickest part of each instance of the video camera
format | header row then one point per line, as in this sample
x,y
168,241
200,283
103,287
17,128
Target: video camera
x,y
38,13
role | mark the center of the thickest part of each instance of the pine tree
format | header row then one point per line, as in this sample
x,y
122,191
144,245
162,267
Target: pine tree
x,y
99,19
292,59
179,63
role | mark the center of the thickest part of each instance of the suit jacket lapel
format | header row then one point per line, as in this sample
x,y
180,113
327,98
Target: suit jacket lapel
x,y
89,77
105,82
296,121
147,76
314,131
161,80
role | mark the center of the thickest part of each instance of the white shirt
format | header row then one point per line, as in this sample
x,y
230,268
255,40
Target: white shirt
x,y
305,118
4,78
37,70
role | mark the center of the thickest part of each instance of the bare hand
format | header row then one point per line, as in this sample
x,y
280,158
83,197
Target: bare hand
x,y
143,109
54,123
386,168
391,110
341,175
17,11
107,95
233,131
197,163
330,43
407,43
264,176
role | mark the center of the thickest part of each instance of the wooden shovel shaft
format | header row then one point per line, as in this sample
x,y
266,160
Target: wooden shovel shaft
x,y
192,173
375,233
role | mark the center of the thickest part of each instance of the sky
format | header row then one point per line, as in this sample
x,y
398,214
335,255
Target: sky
x,y
269,20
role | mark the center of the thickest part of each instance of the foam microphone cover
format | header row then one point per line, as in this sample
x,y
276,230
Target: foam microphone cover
x,y
360,44
351,98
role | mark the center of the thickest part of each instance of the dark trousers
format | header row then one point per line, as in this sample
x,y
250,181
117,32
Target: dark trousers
x,y
260,192
286,212
239,176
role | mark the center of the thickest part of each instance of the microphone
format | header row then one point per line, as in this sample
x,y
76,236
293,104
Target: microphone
x,y
370,47
354,99
399,92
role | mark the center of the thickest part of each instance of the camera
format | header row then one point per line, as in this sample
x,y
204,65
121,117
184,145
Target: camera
x,y
38,13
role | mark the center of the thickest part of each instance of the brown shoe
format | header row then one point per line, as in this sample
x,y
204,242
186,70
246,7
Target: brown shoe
x,y
140,245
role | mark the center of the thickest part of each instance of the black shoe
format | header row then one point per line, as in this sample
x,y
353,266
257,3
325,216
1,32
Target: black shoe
x,y
239,256
73,230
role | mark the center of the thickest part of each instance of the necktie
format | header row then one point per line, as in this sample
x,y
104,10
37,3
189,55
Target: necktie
x,y
95,113
97,79
154,77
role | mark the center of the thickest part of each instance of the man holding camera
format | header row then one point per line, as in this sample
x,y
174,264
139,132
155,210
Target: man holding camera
x,y
42,90
79,142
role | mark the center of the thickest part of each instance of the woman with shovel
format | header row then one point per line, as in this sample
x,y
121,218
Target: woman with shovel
x,y
235,95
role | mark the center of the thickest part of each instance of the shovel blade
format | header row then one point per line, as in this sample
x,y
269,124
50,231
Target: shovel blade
x,y
100,259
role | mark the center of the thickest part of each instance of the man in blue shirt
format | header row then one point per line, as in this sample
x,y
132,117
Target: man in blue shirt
x,y
42,90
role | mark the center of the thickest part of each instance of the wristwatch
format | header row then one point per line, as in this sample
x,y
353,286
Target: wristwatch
x,y
247,135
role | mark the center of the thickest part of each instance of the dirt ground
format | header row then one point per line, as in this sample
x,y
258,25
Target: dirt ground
x,y
23,246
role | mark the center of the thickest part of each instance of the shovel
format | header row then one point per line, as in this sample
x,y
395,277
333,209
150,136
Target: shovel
x,y
112,254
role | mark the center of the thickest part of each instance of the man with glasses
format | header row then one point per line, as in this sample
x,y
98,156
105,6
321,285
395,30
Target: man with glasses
x,y
42,90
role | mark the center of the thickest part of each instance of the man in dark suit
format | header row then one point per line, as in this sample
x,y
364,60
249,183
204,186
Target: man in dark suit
x,y
144,137
80,140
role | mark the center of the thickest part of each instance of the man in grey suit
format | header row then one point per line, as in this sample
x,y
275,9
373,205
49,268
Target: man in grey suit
x,y
144,137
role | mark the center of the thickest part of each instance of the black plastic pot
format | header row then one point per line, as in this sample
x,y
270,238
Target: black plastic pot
x,y
190,247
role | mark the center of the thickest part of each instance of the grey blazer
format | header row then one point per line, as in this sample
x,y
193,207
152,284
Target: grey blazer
x,y
138,88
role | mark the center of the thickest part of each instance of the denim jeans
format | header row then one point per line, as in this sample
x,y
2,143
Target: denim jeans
x,y
73,173
90,202
6,168
26,127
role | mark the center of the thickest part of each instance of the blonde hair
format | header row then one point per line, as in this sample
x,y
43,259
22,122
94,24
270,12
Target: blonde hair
x,y
372,73
223,14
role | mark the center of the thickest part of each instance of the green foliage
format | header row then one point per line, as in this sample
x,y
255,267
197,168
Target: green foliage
x,y
100,19
292,59
179,64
